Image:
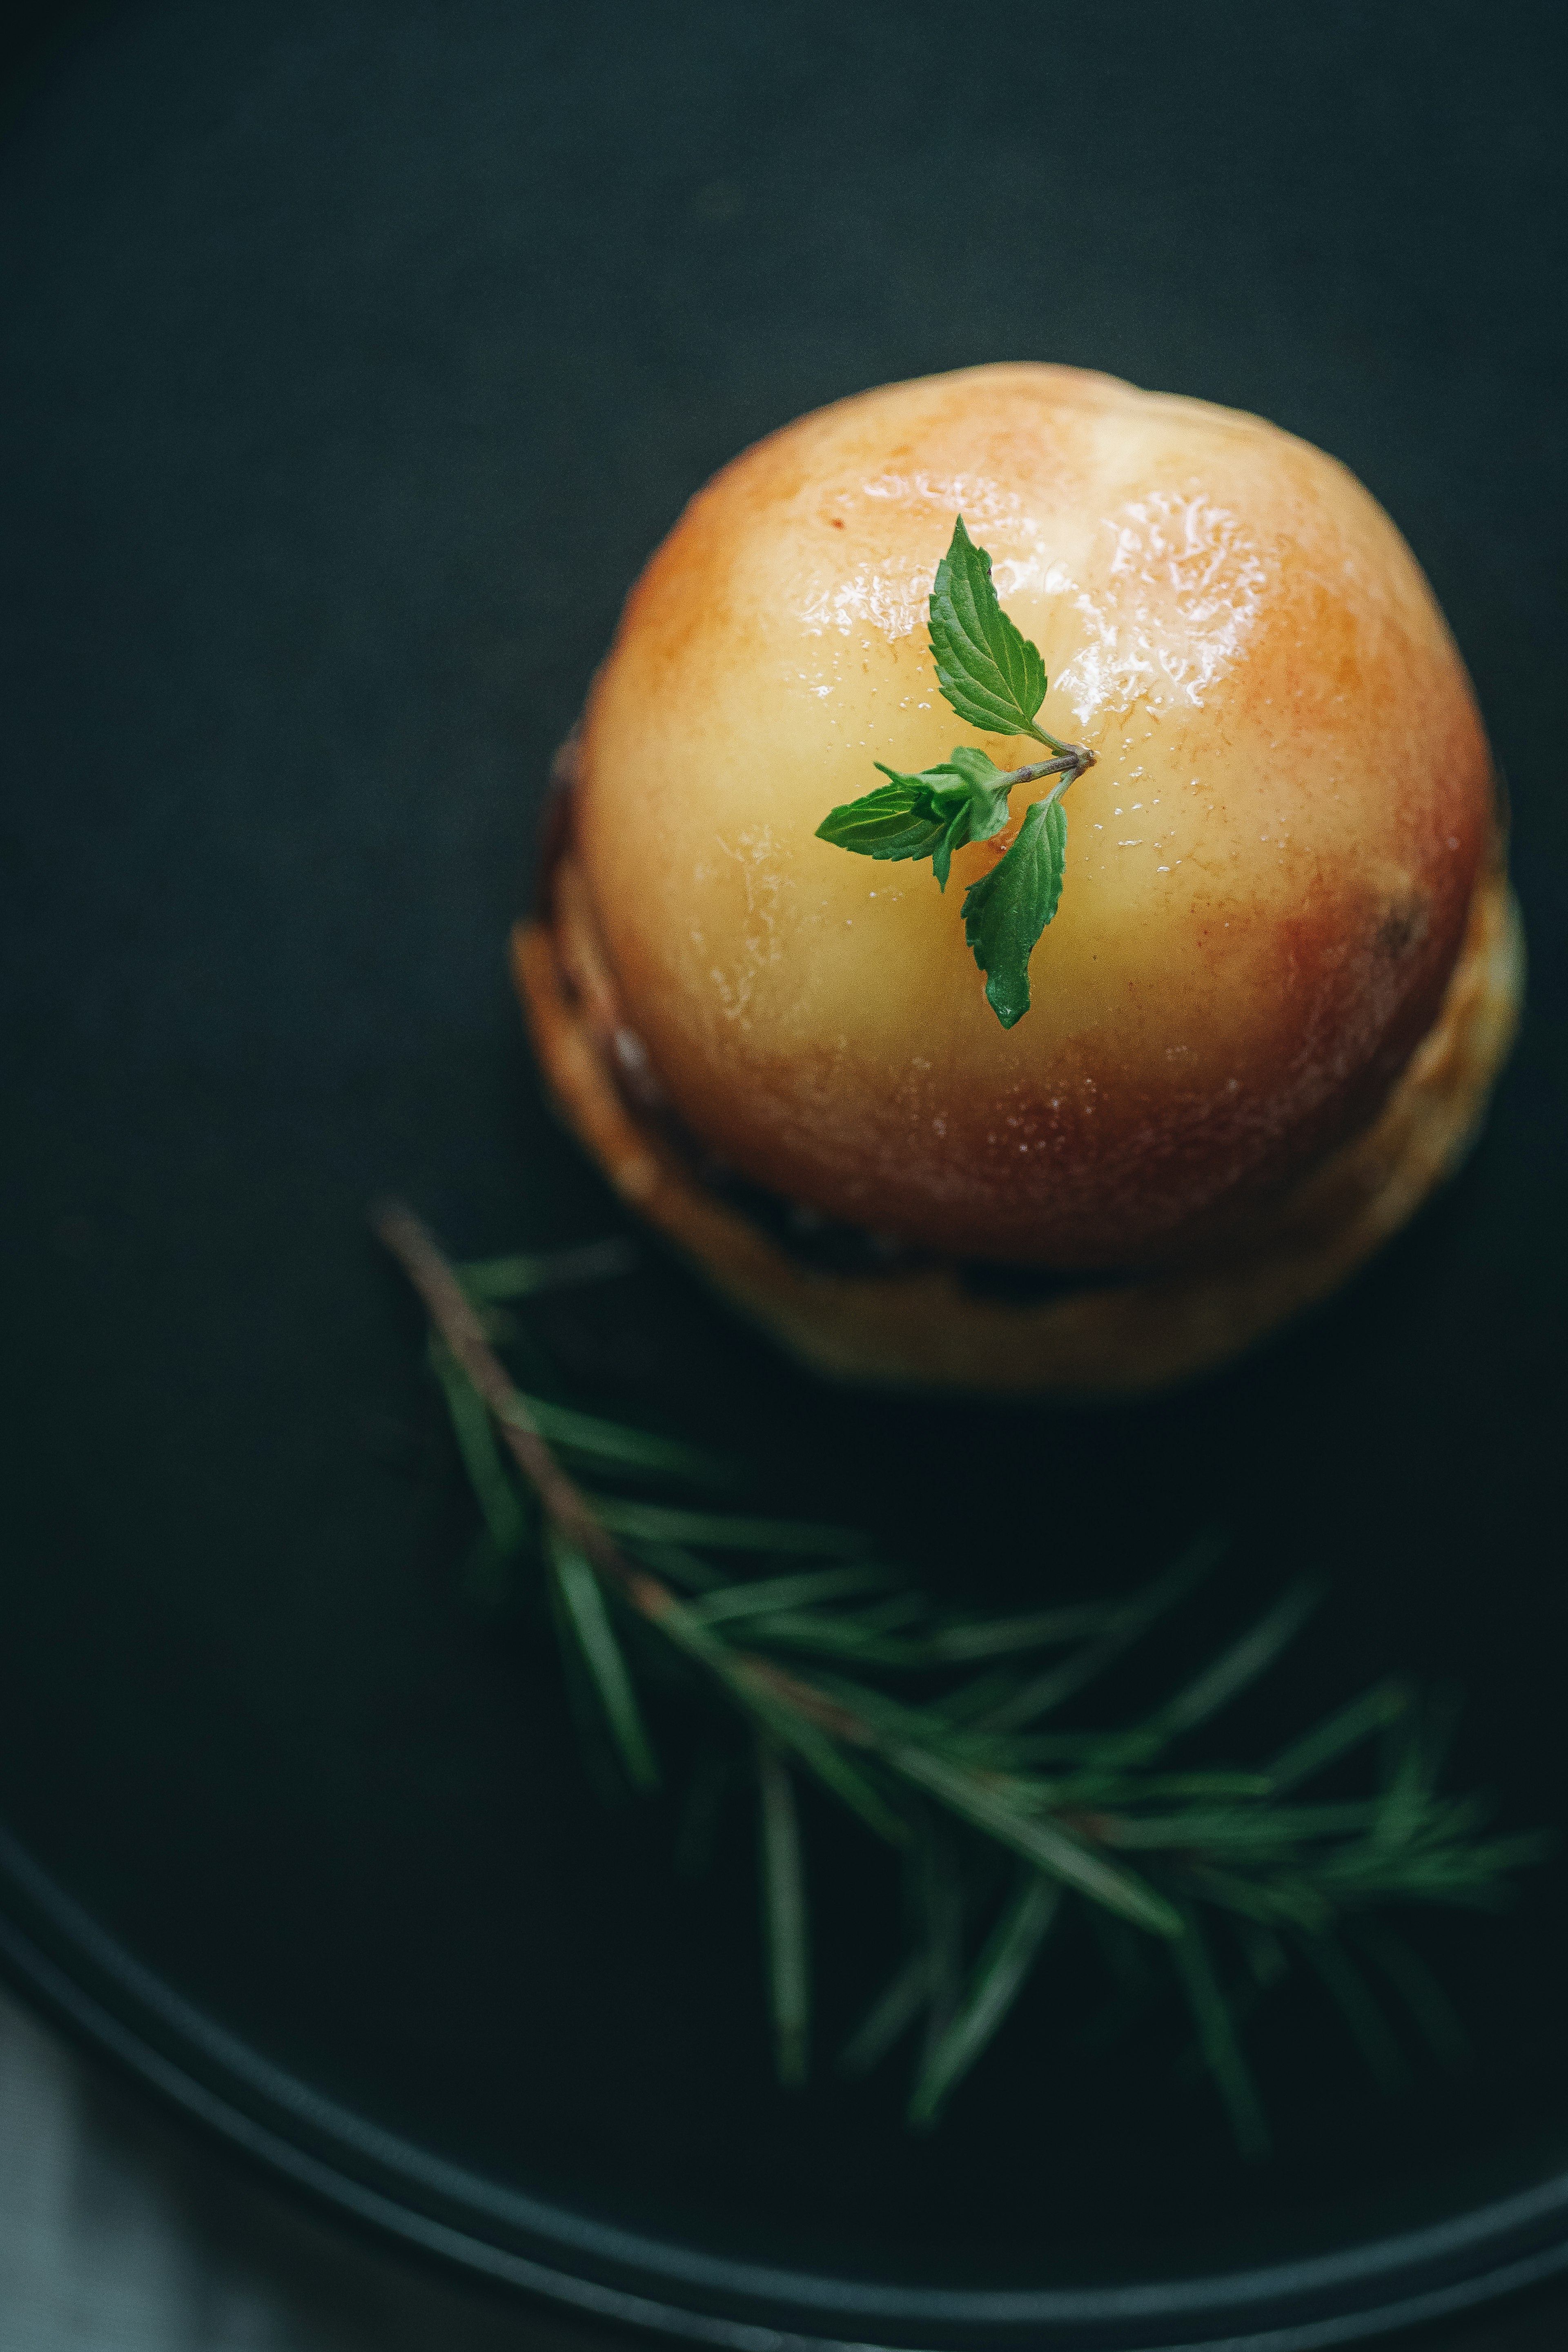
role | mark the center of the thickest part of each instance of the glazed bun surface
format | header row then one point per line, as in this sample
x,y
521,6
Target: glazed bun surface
x,y
1269,869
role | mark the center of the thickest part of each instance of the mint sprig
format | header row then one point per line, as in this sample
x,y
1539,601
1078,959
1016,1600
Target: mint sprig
x,y
994,677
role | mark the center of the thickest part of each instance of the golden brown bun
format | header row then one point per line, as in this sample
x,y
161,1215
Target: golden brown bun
x,y
1286,964
1269,869
923,1327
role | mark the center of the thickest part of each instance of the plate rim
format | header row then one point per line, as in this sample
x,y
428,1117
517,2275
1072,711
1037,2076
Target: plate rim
x,y
92,1986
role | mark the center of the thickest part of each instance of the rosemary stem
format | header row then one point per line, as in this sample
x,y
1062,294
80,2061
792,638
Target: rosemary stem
x,y
416,1250
414,1247
937,1777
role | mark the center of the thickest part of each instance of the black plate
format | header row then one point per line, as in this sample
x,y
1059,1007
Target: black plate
x,y
357,356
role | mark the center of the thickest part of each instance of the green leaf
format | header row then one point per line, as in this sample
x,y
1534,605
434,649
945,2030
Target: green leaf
x,y
927,814
784,1919
1344,1729
507,1520
1404,1799
1131,1619
659,1523
587,1434
996,1637
935,1889
817,1633
1119,1788
678,1565
889,2017
888,1716
984,810
790,1725
1237,1828
1241,1664
827,1761
985,667
998,1978
583,1603
907,817
1283,1900
1006,910
987,785
983,1802
523,1274
765,1595
600,1757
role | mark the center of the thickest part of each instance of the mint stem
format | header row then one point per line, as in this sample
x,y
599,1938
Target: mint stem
x,y
1069,765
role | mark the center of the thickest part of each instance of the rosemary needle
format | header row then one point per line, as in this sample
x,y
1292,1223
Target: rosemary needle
x,y
1239,1887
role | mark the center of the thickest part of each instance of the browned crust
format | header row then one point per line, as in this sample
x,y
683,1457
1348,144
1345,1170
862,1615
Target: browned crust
x,y
922,1328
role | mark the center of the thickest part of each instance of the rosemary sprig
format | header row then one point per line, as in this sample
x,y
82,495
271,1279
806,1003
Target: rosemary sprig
x,y
1216,1884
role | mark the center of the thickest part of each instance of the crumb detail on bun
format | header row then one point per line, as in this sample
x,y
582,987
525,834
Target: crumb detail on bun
x,y
922,1328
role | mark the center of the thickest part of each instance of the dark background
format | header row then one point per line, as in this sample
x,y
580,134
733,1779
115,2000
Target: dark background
x,y
355,357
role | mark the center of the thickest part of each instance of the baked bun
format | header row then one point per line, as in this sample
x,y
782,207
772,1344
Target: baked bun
x,y
1284,968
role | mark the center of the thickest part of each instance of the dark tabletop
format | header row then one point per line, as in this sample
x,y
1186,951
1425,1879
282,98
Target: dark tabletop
x,y
338,338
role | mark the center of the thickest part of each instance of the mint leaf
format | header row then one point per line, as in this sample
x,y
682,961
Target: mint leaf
x,y
993,677
903,818
957,835
985,667
988,787
1006,910
928,814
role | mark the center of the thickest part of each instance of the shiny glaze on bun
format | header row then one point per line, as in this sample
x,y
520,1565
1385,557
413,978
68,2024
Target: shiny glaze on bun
x,y
1269,869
